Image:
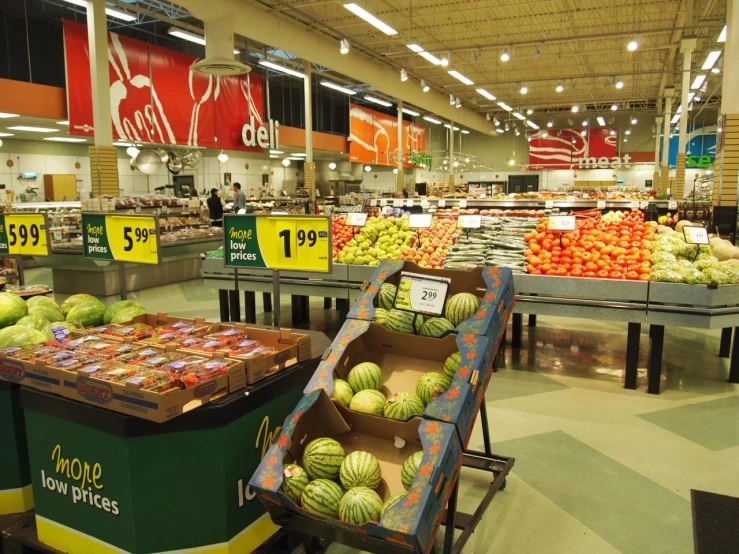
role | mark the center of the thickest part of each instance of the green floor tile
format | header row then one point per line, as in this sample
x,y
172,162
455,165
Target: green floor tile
x,y
513,383
631,512
713,424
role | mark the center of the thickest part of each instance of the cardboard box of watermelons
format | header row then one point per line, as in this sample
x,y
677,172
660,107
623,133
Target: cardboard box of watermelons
x,y
448,375
472,302
412,521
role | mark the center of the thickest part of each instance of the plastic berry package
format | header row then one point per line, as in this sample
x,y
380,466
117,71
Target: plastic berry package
x,y
117,374
161,359
163,338
73,363
106,329
105,348
230,336
206,345
176,367
101,366
191,342
136,330
30,353
139,355
204,372
154,381
81,342
184,329
250,349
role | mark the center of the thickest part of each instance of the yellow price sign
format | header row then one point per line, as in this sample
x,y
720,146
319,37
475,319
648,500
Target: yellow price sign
x,y
123,238
24,235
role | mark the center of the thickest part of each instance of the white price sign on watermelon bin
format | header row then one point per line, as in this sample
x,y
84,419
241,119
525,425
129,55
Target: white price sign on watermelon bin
x,y
422,294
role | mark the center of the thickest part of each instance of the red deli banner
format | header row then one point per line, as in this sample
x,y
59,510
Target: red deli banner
x,y
374,137
569,149
154,97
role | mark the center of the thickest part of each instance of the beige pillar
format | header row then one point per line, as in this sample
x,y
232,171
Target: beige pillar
x,y
450,184
687,46
400,178
309,168
665,177
655,176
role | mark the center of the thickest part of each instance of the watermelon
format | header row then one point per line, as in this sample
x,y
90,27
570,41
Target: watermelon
x,y
41,301
436,327
360,469
366,375
18,335
111,311
452,363
88,314
47,311
342,392
359,506
431,385
404,322
33,321
294,482
322,458
368,401
410,468
392,501
403,405
385,298
12,308
380,316
461,306
69,325
322,497
125,315
75,299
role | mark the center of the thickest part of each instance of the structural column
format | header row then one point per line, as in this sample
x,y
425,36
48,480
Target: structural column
x,y
309,168
665,178
400,181
450,185
657,134
687,46
727,148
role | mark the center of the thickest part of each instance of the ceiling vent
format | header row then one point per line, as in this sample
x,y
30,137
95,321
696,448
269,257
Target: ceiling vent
x,y
219,50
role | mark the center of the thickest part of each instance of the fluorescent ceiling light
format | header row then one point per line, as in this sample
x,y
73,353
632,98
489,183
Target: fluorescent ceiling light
x,y
627,132
524,89
532,124
273,156
63,123
8,115
619,84
6,134
505,106
377,101
411,112
550,124
415,48
675,118
112,12
485,93
722,36
500,129
298,154
276,152
296,159
334,86
465,132
371,19
690,96
711,59
457,75
601,121
282,69
190,37
505,56
431,120
698,81
122,144
519,116
430,57
33,129
65,139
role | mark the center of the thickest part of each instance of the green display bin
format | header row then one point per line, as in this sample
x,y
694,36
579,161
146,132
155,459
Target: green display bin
x,y
15,476
109,483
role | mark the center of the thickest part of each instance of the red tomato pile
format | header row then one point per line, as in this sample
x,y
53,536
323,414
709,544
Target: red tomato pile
x,y
341,234
613,250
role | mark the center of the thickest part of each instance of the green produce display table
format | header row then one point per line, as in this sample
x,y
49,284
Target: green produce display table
x,y
106,482
15,477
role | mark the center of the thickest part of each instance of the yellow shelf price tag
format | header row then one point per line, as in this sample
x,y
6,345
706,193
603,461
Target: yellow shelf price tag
x,y
122,238
299,243
24,235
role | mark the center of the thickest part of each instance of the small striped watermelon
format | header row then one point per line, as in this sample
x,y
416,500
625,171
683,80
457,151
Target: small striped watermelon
x,y
322,458
431,385
461,306
394,499
404,322
403,405
386,296
322,497
360,469
366,375
368,401
436,327
452,363
294,482
381,316
359,506
75,299
33,321
342,392
410,468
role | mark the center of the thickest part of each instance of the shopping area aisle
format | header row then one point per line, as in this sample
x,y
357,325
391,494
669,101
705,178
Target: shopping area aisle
x,y
599,469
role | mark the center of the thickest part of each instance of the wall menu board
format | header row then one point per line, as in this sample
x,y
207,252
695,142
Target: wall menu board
x,y
298,243
121,238
24,235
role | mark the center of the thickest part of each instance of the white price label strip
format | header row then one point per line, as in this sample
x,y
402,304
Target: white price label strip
x,y
373,202
383,202
561,223
409,203
601,204
672,205
442,202
634,204
463,203
356,219
397,202
549,203
570,199
419,221
420,293
469,221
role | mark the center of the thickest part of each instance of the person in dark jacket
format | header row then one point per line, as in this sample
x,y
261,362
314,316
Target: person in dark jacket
x,y
215,208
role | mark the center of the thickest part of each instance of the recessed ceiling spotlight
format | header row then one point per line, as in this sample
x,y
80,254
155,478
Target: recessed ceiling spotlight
x,y
619,83
614,107
633,45
285,162
368,168
575,109
550,123
529,111
332,165
560,87
505,56
612,132
627,131
524,89
583,133
634,121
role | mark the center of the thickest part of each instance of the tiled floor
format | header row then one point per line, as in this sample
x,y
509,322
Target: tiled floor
x,y
599,469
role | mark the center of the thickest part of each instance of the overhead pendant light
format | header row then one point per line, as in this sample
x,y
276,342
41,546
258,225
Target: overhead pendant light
x,y
403,75
111,12
518,132
505,56
634,121
451,100
282,69
30,129
457,75
614,107
334,86
575,108
626,140
545,134
457,102
560,87
550,124
511,162
431,120
529,111
496,121
374,100
716,70
367,168
583,133
332,166
132,151
619,84
627,132
371,19
223,157
524,89
444,62
507,127
424,86
395,171
612,132
344,46
633,45
411,112
585,123
601,121
285,162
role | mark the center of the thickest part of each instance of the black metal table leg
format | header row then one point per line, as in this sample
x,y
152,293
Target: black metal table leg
x,y
734,363
654,369
724,350
342,306
267,301
485,429
451,512
297,309
632,355
223,301
517,330
235,305
305,308
250,306
532,320
327,302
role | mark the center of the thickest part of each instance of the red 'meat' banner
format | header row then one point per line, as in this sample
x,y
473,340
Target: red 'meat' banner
x,y
568,149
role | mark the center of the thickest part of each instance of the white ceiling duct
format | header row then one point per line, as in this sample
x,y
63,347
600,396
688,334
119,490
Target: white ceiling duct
x,y
219,49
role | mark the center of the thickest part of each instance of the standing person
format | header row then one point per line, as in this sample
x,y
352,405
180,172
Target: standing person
x,y
240,200
194,193
215,209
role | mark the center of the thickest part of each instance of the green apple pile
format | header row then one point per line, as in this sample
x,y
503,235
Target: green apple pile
x,y
380,239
